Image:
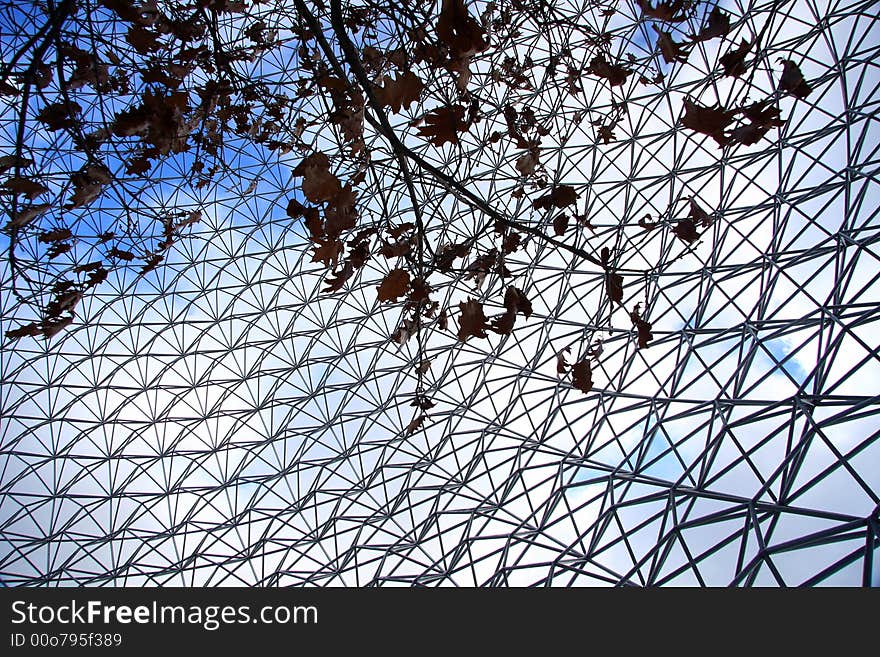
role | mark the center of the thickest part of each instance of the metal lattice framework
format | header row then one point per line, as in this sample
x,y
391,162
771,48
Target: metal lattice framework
x,y
222,421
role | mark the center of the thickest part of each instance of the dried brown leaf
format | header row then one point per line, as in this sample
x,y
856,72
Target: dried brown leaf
x,y
29,188
443,124
559,197
394,285
400,92
792,80
582,375
472,320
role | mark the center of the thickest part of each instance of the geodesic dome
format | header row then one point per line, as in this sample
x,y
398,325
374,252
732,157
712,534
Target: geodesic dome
x,y
222,420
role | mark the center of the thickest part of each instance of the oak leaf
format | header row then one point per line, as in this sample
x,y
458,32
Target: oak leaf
x,y
88,184
711,120
327,252
560,224
57,116
792,80
51,327
318,184
57,249
582,375
24,216
29,188
341,212
400,92
394,285
672,50
335,282
526,164
515,301
562,364
646,223
559,197
717,25
511,243
443,124
472,321
614,286
698,214
762,117
642,327
671,11
9,161
686,230
415,425
32,329
734,61
459,31
616,74
121,254
55,235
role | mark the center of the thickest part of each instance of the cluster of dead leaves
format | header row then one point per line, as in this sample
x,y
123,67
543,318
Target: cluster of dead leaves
x,y
473,323
687,228
334,212
755,121
462,37
160,122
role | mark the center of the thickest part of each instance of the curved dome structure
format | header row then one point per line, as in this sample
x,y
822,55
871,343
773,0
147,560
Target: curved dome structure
x,y
222,420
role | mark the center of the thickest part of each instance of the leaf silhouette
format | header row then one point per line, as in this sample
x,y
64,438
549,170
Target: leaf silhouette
x,y
58,116
120,254
415,425
57,249
394,285
614,286
561,363
560,224
762,117
472,321
400,92
341,211
327,251
32,329
670,11
559,197
7,162
582,375
792,80
515,301
25,186
646,223
56,235
717,25
734,61
642,327
711,121
698,214
616,74
336,282
458,30
443,124
672,50
88,184
686,230
511,243
318,183
25,216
